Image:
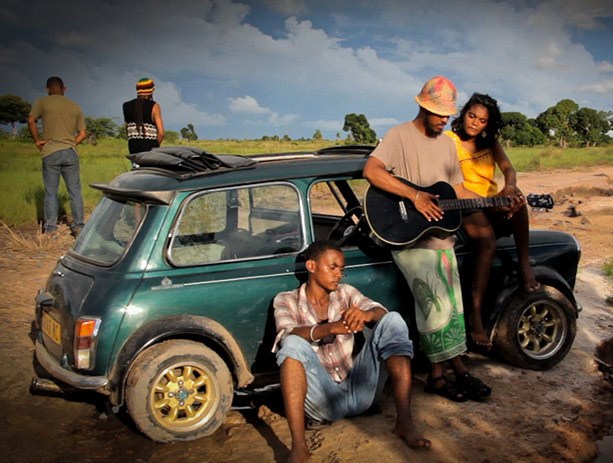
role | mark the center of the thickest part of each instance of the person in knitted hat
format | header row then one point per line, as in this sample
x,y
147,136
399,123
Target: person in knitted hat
x,y
143,118
416,152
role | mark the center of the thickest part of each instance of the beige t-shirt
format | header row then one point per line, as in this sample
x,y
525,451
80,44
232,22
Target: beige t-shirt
x,y
422,160
62,120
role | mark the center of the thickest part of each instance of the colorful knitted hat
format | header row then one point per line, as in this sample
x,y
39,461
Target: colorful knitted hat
x,y
438,96
145,86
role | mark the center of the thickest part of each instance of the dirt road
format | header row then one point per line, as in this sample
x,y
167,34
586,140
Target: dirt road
x,y
550,416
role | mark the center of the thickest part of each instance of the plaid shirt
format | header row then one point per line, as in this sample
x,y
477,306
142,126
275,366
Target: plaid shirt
x,y
292,310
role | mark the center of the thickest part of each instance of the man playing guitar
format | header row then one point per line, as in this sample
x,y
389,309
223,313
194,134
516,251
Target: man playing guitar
x,y
416,151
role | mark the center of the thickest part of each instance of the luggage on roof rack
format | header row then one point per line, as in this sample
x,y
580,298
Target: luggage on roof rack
x,y
186,158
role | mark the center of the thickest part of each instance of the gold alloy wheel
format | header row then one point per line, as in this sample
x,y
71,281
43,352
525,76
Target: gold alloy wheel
x,y
183,396
541,329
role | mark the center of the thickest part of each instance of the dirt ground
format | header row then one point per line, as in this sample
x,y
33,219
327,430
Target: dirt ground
x,y
557,415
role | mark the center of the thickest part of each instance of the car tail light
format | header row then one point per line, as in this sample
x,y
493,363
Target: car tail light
x,y
85,340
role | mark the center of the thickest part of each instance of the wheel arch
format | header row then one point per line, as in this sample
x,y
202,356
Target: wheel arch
x,y
199,329
546,276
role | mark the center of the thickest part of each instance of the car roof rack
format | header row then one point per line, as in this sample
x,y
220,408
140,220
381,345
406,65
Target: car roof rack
x,y
186,159
364,150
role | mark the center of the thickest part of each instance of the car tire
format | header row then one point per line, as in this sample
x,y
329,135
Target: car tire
x,y
178,390
536,330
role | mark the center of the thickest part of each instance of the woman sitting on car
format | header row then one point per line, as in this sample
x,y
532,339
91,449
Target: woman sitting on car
x,y
475,133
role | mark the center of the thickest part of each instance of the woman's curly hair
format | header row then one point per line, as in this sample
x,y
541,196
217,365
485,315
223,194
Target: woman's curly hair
x,y
494,123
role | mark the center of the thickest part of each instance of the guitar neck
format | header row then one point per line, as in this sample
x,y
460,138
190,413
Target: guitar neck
x,y
472,203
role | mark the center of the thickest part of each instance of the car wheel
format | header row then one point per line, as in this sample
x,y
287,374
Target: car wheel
x,y
178,390
536,330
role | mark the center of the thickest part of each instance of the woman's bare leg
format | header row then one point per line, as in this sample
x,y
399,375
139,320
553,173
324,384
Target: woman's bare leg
x,y
521,234
479,230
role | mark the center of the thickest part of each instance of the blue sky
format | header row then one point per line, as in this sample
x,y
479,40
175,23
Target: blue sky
x,y
244,69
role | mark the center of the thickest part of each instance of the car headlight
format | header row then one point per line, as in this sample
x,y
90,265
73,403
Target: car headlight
x,y
85,340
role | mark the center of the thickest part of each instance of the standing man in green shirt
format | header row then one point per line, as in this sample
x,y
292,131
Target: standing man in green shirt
x,y
63,130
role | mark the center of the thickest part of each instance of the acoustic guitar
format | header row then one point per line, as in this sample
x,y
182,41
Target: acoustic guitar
x,y
395,221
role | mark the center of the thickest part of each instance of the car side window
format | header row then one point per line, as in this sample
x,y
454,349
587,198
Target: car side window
x,y
330,200
238,223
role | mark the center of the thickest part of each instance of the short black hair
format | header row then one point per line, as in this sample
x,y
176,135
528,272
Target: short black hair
x,y
317,248
55,80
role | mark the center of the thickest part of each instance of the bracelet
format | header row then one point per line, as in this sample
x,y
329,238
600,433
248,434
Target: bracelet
x,y
311,334
416,196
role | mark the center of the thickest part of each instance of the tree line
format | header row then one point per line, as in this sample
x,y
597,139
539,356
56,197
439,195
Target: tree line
x,y
564,124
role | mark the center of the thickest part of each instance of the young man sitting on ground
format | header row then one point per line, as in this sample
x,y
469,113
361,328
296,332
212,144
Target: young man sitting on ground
x,y
320,378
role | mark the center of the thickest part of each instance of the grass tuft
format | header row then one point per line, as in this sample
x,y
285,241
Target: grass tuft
x,y
608,267
34,243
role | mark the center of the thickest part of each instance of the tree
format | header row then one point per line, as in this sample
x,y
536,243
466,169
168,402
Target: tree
x,y
12,110
358,126
171,136
317,136
519,131
555,122
188,133
591,126
100,127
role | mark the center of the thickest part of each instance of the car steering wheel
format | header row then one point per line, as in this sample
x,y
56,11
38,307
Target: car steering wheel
x,y
345,228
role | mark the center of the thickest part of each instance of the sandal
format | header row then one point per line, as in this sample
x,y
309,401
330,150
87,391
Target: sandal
x,y
447,390
475,388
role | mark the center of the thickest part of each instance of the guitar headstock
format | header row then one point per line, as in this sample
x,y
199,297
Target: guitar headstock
x,y
540,201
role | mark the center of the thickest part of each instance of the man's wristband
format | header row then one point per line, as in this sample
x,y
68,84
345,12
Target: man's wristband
x,y
311,334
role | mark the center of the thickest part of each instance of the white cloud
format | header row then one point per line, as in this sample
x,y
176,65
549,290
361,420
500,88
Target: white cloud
x,y
210,64
277,120
180,113
600,87
604,66
247,105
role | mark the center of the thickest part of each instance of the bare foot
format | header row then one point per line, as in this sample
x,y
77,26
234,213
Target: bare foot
x,y
480,338
411,436
478,333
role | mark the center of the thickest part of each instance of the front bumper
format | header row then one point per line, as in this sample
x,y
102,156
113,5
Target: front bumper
x,y
71,378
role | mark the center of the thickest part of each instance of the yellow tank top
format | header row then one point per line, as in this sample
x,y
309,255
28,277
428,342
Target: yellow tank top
x,y
478,168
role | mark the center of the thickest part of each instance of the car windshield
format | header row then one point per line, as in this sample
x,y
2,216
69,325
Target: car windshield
x,y
109,230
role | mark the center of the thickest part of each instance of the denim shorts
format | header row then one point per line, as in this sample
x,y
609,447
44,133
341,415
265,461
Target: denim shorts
x,y
327,400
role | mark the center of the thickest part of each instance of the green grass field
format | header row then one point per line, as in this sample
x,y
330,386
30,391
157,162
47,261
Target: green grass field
x,y
21,176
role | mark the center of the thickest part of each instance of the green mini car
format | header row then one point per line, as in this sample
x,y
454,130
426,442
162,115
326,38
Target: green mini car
x,y
164,303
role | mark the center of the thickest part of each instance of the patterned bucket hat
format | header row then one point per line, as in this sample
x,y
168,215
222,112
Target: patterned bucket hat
x,y
438,96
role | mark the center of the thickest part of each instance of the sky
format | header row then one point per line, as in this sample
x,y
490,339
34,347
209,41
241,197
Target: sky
x,y
246,69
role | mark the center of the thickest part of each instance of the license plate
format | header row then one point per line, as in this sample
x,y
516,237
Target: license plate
x,y
52,329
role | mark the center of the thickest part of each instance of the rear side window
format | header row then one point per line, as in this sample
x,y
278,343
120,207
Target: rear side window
x,y
238,223
110,229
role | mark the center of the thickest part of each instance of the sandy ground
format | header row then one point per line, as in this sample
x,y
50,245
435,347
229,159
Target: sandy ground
x,y
557,415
